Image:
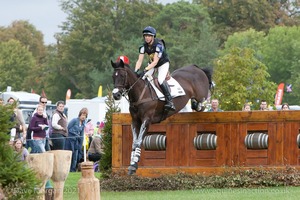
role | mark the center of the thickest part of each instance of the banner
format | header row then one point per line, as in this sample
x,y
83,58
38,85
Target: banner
x,y
68,94
100,91
279,94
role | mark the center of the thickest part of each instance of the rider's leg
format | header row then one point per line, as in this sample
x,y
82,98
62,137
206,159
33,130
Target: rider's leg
x,y
162,73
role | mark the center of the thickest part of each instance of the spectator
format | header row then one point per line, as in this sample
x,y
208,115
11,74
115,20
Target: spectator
x,y
246,107
215,106
75,130
285,106
43,103
263,105
18,120
89,132
18,147
39,125
1,102
95,150
59,125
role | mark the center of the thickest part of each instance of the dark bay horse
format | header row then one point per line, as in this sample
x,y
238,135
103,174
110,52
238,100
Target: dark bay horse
x,y
145,108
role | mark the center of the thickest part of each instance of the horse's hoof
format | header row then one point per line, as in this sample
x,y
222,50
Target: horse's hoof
x,y
131,170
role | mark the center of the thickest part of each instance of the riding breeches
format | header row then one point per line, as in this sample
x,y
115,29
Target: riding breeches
x,y
162,72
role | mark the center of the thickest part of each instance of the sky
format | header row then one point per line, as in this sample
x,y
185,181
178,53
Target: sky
x,y
45,15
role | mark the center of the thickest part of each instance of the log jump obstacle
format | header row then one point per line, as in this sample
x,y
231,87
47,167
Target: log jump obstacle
x,y
210,142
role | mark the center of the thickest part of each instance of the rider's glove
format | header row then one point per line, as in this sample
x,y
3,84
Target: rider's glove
x,y
137,73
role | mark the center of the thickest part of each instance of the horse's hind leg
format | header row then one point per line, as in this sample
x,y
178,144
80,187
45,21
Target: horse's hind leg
x,y
197,106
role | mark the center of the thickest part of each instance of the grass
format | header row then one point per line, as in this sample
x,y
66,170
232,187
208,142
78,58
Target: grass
x,y
274,193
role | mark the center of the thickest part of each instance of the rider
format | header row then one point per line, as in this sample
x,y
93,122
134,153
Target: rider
x,y
158,58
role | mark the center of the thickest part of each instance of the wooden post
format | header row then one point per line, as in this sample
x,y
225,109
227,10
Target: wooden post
x,y
88,184
42,164
61,168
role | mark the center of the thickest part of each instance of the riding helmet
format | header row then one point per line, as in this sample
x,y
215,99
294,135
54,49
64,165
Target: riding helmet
x,y
149,30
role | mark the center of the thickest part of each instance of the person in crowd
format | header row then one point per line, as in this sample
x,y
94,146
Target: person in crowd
x,y
59,127
263,105
18,120
22,151
95,150
75,130
215,106
43,103
39,125
1,102
158,59
285,106
246,107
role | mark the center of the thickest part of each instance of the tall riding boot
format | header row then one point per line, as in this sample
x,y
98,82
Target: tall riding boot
x,y
169,103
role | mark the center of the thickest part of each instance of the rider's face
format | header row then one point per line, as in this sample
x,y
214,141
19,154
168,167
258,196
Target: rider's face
x,y
148,39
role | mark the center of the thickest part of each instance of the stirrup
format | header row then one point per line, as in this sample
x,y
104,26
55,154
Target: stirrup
x,y
170,106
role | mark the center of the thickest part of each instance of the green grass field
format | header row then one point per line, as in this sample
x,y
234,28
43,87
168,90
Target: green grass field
x,y
274,193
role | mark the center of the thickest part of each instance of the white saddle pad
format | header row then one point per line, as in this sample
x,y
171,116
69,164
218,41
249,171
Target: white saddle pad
x,y
176,89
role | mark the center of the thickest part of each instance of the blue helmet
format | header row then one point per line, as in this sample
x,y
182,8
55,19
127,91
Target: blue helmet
x,y
149,30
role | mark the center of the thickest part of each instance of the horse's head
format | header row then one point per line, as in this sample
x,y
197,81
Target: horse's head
x,y
120,79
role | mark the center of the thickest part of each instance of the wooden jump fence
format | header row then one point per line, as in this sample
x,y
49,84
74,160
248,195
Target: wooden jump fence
x,y
211,142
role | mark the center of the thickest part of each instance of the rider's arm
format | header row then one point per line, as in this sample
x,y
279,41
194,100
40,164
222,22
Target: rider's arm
x,y
139,62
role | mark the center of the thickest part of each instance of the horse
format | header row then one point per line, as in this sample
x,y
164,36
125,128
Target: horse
x,y
146,108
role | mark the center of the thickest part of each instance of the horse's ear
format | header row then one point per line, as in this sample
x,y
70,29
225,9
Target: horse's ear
x,y
113,64
121,63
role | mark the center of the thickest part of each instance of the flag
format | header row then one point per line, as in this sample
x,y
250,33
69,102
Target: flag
x,y
68,94
289,88
279,94
100,91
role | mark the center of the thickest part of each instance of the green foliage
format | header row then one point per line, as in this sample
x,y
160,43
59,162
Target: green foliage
x,y
15,65
16,179
229,179
235,16
187,30
106,159
241,78
281,50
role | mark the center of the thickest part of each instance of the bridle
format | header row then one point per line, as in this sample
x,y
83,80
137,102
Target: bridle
x,y
124,91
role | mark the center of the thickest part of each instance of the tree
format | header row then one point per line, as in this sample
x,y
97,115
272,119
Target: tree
x,y
241,78
16,179
187,29
281,50
230,16
16,64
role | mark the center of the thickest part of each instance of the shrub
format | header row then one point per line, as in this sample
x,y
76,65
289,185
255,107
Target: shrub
x,y
16,179
181,181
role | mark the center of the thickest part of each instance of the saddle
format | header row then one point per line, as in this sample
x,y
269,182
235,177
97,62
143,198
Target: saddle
x,y
175,88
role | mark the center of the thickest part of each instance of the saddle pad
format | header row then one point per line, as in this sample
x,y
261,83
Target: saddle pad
x,y
176,89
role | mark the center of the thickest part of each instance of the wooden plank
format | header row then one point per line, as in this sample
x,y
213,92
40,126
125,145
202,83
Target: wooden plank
x,y
234,140
272,148
127,144
206,154
257,161
154,162
257,153
154,154
279,143
242,154
206,162
117,155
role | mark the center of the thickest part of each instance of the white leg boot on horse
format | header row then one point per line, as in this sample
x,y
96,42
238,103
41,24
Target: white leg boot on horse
x,y
135,158
169,103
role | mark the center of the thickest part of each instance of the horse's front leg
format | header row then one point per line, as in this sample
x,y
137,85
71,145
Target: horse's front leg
x,y
136,146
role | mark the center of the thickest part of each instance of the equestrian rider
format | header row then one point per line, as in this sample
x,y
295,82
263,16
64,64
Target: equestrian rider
x,y
158,58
